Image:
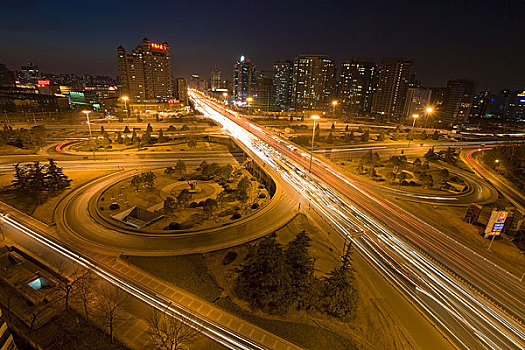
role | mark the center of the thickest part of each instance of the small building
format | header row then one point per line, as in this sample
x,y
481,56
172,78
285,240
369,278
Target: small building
x,y
136,217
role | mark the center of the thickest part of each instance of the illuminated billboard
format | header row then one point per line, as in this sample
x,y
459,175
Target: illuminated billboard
x,y
496,223
154,46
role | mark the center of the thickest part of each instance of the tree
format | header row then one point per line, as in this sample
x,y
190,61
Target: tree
x,y
120,140
161,136
346,128
368,157
146,138
424,135
243,187
136,181
169,170
111,302
55,179
171,128
332,128
192,143
185,128
84,290
431,155
180,167
169,205
184,198
262,278
168,332
417,163
444,174
317,130
149,128
102,129
148,178
126,130
330,137
209,206
365,137
435,135
339,297
300,265
381,136
291,118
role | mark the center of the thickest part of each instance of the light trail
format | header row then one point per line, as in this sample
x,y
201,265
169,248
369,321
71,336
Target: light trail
x,y
212,330
469,319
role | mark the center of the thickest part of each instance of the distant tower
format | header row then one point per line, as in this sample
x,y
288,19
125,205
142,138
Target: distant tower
x,y
313,82
146,72
389,101
215,79
243,79
357,84
282,82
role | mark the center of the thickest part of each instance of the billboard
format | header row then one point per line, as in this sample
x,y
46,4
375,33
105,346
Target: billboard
x,y
496,223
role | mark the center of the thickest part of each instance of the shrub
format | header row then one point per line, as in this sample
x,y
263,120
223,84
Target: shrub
x,y
193,205
235,216
255,206
174,226
114,206
262,195
229,258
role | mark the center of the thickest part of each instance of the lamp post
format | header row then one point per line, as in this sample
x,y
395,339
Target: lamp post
x,y
125,99
499,165
86,112
415,116
428,111
225,95
334,104
314,117
249,100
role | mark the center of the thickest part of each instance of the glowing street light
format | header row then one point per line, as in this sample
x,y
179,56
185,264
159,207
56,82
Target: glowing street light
x,y
334,104
125,99
314,117
86,112
415,116
429,111
249,100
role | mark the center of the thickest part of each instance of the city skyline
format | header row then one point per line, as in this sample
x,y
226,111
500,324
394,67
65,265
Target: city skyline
x,y
461,46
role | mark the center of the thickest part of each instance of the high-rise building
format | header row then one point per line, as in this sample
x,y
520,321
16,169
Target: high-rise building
x,y
215,79
389,100
313,82
244,79
357,84
282,83
29,74
458,101
146,72
480,104
417,101
264,92
181,90
7,78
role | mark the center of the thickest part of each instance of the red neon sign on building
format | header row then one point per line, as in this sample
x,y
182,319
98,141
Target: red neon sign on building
x,y
158,46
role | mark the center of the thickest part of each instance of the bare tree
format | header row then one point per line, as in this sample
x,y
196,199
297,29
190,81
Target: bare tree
x,y
84,291
111,302
70,281
167,332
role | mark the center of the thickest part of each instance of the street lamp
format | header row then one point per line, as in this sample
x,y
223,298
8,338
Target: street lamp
x,y
415,116
428,111
499,165
86,112
334,104
225,95
249,100
314,117
125,99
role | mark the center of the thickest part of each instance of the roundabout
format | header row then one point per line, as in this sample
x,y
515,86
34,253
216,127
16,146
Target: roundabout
x,y
79,224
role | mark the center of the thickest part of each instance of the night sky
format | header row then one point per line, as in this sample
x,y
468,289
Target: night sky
x,y
479,40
